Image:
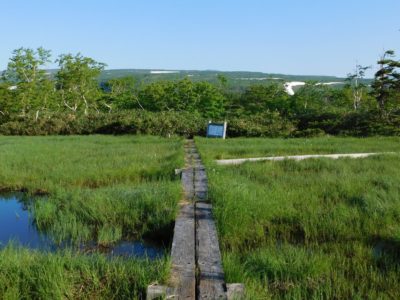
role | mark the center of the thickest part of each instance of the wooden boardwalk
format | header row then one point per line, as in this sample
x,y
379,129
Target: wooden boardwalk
x,y
183,252
210,281
238,161
197,271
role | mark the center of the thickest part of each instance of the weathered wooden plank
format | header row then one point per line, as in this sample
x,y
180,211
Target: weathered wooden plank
x,y
296,157
156,292
183,275
235,291
200,184
210,273
187,182
195,154
195,243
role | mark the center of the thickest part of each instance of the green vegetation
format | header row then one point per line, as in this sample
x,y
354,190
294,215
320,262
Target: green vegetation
x,y
256,147
32,275
315,229
74,100
237,80
86,189
90,184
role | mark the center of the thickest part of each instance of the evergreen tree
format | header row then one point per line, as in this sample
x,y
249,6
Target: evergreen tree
x,y
386,86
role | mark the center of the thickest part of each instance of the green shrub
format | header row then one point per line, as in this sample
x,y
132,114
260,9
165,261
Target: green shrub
x,y
264,125
188,124
127,122
309,132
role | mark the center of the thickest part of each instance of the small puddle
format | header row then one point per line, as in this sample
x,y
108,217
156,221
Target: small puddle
x,y
17,226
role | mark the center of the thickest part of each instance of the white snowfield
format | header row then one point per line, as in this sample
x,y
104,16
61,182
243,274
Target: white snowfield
x,y
261,78
163,72
330,83
290,85
296,157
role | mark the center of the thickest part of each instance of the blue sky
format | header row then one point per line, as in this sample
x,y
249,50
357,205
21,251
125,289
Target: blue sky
x,y
324,37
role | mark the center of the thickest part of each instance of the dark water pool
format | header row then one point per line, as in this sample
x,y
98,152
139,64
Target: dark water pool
x,y
17,226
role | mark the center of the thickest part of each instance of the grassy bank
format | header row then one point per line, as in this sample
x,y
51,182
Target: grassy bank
x,y
101,189
316,229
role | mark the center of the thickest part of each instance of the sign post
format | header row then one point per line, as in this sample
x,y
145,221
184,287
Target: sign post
x,y
216,130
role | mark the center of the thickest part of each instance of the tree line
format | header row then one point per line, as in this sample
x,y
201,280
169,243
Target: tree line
x,y
71,97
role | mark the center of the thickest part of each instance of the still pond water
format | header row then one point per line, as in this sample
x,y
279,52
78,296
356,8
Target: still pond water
x,y
17,226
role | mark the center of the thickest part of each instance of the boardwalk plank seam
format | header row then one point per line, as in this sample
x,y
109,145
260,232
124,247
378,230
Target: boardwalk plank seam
x,y
197,271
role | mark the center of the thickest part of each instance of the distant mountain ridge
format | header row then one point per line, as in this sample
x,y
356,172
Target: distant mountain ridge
x,y
211,75
236,80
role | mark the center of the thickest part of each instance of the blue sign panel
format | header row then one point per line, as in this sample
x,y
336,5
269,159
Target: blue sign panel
x,y
216,130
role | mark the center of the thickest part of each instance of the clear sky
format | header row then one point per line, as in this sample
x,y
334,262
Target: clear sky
x,y
320,37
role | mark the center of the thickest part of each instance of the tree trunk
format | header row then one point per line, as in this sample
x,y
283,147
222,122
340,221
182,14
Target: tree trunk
x,y
109,107
86,105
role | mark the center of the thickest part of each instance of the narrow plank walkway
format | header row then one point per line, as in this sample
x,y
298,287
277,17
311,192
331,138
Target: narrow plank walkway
x,y
197,271
183,252
210,281
239,161
210,274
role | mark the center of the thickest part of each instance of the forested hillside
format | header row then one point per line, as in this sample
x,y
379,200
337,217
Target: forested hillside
x,y
81,97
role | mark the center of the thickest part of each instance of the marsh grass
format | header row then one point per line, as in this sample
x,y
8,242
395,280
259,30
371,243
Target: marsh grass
x,y
32,275
86,189
107,214
98,188
41,164
258,147
315,229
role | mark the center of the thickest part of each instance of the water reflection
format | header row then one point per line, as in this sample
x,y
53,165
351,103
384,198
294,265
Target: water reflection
x,y
17,226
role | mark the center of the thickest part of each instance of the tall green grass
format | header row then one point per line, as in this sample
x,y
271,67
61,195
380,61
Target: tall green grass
x,y
28,274
257,147
89,189
108,214
41,164
98,188
315,229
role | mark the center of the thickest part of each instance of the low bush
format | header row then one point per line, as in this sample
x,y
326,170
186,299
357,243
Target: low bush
x,y
363,123
188,124
260,125
128,122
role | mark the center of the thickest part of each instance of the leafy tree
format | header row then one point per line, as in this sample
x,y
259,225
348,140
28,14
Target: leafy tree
x,y
358,88
386,85
259,98
184,95
157,96
122,93
314,97
222,82
161,107
32,88
210,101
5,99
77,82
